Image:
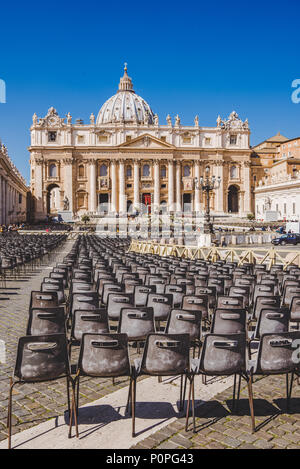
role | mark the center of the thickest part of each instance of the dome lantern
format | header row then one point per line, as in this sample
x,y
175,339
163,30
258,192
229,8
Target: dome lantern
x,y
125,106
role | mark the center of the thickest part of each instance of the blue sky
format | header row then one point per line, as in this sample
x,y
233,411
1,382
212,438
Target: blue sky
x,y
184,57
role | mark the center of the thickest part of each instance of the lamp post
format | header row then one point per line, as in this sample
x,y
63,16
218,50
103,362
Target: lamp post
x,y
207,185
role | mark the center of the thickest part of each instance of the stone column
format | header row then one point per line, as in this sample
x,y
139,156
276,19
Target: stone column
x,y
156,200
171,186
219,193
197,187
247,187
178,186
136,185
122,195
68,181
241,203
113,199
1,202
5,201
92,194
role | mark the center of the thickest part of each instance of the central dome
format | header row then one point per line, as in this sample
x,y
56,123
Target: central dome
x,y
125,106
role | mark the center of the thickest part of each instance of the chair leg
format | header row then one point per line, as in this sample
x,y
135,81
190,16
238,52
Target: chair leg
x,y
233,394
188,408
133,402
238,393
251,405
289,390
192,383
9,411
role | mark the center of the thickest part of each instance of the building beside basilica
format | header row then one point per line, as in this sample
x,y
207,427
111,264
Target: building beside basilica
x,y
126,160
13,191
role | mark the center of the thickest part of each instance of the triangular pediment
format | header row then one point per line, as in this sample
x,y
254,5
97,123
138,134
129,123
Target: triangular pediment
x,y
147,141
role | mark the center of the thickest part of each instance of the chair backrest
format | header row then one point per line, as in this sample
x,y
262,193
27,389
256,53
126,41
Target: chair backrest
x,y
196,303
110,288
42,358
211,294
272,321
243,292
265,302
117,301
277,353
218,283
185,322
136,322
289,293
40,299
262,290
223,354
295,309
51,287
161,304
229,302
227,321
141,293
80,286
177,291
130,284
84,301
166,354
104,355
89,321
46,321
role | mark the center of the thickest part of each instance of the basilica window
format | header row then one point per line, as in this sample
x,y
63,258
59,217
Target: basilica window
x,y
52,171
81,200
208,141
129,171
81,171
163,172
51,136
233,139
186,171
233,172
146,170
103,170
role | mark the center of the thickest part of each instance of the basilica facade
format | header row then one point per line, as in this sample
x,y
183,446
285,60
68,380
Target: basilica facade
x,y
125,160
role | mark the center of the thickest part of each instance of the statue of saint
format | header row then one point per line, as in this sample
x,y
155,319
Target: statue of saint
x,y
66,203
177,120
69,118
196,121
169,120
34,119
92,119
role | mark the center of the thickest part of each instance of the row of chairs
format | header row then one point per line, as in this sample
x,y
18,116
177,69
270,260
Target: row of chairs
x,y
103,292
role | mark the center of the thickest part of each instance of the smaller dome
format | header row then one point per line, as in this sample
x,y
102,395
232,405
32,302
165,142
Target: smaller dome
x,y
125,106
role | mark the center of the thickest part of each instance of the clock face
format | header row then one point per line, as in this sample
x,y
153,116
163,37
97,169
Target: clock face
x,y
52,120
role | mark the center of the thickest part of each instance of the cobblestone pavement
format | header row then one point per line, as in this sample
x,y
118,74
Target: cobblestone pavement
x,y
218,428
35,403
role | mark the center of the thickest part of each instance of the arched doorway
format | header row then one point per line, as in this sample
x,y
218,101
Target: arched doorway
x,y
233,199
53,199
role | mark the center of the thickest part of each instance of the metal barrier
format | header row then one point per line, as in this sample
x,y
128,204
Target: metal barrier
x,y
241,255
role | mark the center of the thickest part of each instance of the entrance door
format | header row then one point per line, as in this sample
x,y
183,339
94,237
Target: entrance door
x,y
146,200
233,199
187,202
103,203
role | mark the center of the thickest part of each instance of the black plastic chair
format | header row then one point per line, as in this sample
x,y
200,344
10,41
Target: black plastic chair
x,y
164,355
221,355
105,356
277,354
39,359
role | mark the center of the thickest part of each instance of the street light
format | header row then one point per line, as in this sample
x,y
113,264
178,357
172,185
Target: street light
x,y
207,185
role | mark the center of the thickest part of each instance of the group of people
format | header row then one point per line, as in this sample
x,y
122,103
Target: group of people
x,y
11,227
